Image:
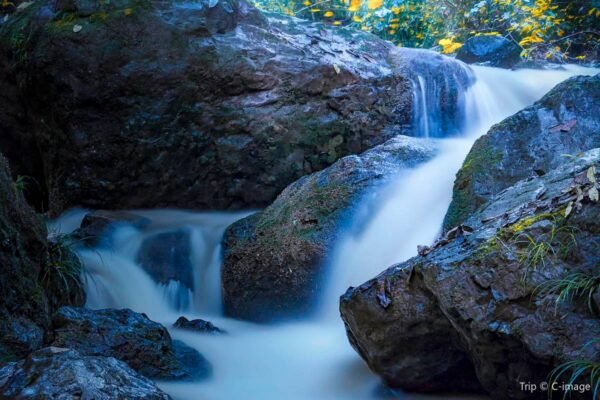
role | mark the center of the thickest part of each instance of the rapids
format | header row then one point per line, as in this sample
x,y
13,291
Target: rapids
x,y
309,358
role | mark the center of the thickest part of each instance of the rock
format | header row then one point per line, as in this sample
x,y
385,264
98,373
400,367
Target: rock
x,y
95,224
58,373
495,51
32,278
528,144
198,325
481,297
184,105
144,345
273,259
166,256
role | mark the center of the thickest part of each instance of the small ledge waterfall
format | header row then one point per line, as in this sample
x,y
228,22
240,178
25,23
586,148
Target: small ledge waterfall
x,y
308,359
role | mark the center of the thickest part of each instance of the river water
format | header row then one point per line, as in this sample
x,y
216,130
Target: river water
x,y
310,358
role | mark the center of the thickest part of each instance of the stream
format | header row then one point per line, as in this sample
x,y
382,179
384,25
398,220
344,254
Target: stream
x,y
309,358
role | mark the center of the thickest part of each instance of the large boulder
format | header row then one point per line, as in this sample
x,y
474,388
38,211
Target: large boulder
x,y
492,50
530,143
273,260
144,345
487,299
58,373
35,276
139,103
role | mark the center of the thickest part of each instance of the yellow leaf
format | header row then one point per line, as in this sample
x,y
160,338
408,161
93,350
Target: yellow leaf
x,y
373,4
328,14
354,5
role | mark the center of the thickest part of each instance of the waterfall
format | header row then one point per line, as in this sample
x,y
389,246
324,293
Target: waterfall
x,y
308,359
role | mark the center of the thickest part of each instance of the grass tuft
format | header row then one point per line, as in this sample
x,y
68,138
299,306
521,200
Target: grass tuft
x,y
575,285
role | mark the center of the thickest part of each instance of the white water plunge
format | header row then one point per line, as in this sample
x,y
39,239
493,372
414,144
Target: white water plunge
x,y
309,359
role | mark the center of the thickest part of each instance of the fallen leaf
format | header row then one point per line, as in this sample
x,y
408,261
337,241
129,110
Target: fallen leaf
x,y
77,28
564,127
569,209
24,5
591,174
593,194
337,68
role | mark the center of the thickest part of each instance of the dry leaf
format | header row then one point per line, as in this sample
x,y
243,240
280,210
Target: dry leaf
x,y
591,174
77,28
593,194
337,68
564,127
569,209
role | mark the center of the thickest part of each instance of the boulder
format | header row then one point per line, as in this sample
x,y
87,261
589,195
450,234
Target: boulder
x,y
143,104
197,325
97,223
166,256
530,143
273,260
35,277
144,345
485,296
492,50
58,373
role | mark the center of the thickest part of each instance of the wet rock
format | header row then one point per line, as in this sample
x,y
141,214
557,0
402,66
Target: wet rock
x,y
495,51
481,297
166,256
273,260
198,325
144,345
528,144
32,281
95,224
182,105
60,373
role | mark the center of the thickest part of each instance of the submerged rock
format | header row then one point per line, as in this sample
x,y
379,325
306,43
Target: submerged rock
x,y
485,299
198,325
273,260
180,104
531,143
166,257
492,50
144,345
59,373
97,223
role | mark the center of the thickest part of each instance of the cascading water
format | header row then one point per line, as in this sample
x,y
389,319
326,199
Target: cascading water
x,y
309,359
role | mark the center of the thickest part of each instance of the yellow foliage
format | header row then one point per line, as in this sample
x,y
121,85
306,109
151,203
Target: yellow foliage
x,y
354,5
328,14
449,45
374,4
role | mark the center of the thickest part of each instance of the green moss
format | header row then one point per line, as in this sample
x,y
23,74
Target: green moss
x,y
476,167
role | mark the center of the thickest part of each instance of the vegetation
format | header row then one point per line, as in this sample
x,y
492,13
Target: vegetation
x,y
574,285
553,29
578,370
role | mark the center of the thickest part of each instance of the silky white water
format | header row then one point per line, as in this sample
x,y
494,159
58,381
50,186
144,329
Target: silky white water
x,y
309,359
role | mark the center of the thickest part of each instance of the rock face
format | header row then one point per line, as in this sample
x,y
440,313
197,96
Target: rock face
x,y
487,296
171,104
273,259
530,143
144,345
58,373
31,273
495,51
